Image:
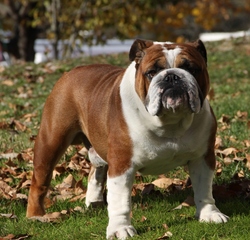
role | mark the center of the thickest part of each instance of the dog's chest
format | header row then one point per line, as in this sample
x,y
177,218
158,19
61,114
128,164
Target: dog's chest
x,y
159,155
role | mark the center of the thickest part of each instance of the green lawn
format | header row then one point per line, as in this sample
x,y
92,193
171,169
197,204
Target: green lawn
x,y
23,90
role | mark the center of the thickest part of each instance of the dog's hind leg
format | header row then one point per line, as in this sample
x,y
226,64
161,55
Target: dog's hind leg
x,y
96,180
54,136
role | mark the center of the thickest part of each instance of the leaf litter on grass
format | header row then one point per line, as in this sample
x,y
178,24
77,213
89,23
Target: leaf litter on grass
x,y
16,162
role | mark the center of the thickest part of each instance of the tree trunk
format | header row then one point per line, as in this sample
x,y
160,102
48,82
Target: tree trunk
x,y
55,26
23,42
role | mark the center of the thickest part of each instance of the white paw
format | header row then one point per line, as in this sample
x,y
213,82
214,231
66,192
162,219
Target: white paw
x,y
121,233
212,214
214,217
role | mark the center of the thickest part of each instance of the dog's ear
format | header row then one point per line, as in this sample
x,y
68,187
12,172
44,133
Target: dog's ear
x,y
199,45
136,51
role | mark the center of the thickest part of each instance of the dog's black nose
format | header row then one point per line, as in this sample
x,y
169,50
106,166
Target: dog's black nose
x,y
172,78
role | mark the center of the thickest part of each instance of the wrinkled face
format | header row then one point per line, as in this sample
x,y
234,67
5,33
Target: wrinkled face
x,y
170,77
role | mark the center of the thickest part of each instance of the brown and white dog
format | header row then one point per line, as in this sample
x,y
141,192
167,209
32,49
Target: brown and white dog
x,y
151,117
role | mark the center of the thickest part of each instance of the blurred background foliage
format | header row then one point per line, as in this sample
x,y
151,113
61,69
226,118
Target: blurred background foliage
x,y
94,21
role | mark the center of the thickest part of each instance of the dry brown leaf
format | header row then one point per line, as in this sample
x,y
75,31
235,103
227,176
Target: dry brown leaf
x,y
68,182
242,115
211,94
8,155
79,209
25,157
26,184
166,235
218,172
79,187
224,119
5,190
165,226
18,125
8,82
63,197
228,151
28,117
248,161
227,160
189,202
218,142
21,196
8,237
59,169
163,183
247,142
148,188
8,215
78,197
241,174
4,125
143,219
10,163
83,152
248,124
178,207
49,217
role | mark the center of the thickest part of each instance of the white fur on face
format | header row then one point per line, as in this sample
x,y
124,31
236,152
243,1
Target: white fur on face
x,y
154,99
170,54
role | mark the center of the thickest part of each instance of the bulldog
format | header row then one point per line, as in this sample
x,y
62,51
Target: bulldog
x,y
151,117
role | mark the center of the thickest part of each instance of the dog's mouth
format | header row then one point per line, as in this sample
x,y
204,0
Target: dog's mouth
x,y
174,99
174,92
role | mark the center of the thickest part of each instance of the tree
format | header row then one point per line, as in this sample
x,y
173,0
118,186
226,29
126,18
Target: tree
x,y
94,21
22,42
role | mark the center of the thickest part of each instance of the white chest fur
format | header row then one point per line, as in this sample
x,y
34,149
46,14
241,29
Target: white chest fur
x,y
162,143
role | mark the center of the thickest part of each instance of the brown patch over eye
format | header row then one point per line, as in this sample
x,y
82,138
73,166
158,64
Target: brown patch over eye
x,y
151,73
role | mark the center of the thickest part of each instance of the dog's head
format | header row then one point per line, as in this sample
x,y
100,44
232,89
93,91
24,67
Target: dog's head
x,y
170,76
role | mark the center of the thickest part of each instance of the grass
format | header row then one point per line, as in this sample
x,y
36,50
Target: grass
x,y
23,90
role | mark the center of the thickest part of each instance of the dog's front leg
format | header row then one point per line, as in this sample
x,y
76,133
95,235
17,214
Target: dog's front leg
x,y
119,205
202,177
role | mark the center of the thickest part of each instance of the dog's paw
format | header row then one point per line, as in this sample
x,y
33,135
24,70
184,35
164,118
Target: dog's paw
x,y
122,233
212,214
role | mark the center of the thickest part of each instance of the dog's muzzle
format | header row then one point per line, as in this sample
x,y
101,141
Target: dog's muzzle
x,y
173,89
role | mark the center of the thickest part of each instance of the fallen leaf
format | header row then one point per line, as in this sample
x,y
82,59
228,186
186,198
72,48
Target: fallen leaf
x,y
165,226
163,183
224,119
242,115
248,161
189,201
227,161
10,163
218,142
8,215
83,152
211,94
8,155
166,235
18,125
68,182
79,209
228,151
143,219
78,197
49,217
8,82
148,188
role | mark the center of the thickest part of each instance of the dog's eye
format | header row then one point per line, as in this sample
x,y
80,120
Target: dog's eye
x,y
194,71
151,73
190,67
